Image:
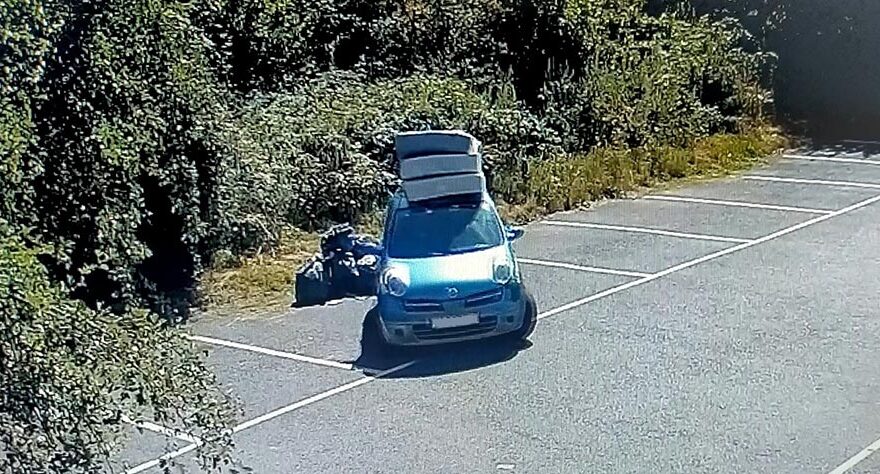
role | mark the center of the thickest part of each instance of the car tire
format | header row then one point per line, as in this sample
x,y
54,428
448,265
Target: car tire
x,y
372,339
383,347
530,319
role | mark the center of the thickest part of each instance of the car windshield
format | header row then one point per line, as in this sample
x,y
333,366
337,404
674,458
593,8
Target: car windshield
x,y
425,232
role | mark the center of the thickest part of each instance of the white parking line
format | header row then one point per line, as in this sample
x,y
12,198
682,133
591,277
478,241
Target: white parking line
x,y
822,182
860,161
276,413
749,205
712,256
644,230
317,398
272,352
162,430
859,457
862,142
165,457
607,271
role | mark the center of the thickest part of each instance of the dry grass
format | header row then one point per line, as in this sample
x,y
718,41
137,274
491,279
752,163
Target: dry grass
x,y
571,182
265,282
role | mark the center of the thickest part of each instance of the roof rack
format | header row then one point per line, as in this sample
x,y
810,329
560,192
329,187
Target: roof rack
x,y
439,163
469,199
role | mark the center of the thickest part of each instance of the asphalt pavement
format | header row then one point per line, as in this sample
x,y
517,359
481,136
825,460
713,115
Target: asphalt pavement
x,y
729,326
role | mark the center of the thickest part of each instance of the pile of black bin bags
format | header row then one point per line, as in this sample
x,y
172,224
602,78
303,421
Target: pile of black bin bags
x,y
347,266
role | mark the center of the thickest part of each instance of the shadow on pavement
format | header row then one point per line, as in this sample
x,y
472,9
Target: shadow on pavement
x,y
433,360
865,149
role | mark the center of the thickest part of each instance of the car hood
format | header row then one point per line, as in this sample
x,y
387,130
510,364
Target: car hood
x,y
469,273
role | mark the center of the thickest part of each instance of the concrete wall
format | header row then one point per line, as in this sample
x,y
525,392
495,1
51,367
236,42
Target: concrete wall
x,y
828,72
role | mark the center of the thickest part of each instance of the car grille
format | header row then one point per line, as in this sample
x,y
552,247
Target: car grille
x,y
473,301
422,306
426,333
484,298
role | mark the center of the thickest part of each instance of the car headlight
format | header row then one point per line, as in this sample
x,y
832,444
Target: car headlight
x,y
502,271
396,280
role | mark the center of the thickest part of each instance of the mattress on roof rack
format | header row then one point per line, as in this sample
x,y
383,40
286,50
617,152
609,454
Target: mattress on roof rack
x,y
434,142
435,165
445,185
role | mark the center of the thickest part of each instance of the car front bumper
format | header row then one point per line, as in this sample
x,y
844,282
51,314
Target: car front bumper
x,y
402,328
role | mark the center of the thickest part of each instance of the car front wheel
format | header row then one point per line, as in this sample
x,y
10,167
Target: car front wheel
x,y
373,339
530,319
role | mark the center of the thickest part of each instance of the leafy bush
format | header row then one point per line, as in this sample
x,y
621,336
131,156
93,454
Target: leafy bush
x,y
324,151
103,110
652,80
27,31
71,374
107,144
272,45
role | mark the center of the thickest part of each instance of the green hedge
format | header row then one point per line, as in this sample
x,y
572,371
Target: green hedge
x,y
323,152
70,374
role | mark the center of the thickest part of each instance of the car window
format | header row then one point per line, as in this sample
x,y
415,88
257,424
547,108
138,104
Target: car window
x,y
426,232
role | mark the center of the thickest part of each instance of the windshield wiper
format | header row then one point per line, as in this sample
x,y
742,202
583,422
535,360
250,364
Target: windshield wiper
x,y
420,255
471,249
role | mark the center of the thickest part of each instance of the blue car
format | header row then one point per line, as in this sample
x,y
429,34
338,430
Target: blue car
x,y
448,273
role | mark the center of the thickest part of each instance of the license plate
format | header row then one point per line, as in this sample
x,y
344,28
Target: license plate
x,y
455,321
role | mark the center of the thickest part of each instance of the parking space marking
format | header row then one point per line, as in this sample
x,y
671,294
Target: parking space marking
x,y
162,430
821,182
706,258
859,457
749,205
644,230
275,414
860,161
317,398
863,142
580,268
272,352
165,457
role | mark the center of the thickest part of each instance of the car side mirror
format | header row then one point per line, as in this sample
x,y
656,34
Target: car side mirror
x,y
514,233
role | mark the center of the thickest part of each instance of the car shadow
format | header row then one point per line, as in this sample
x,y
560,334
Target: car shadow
x,y
431,360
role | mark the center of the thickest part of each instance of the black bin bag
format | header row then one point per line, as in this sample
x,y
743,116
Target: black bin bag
x,y
343,275
365,245
312,283
338,239
347,266
367,283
